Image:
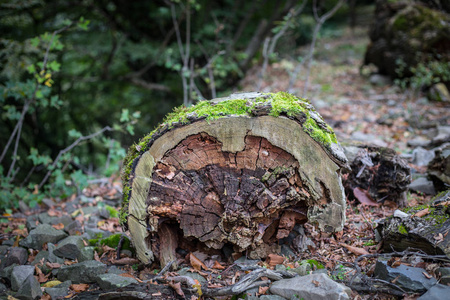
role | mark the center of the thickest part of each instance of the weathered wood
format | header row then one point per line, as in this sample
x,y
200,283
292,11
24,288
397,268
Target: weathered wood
x,y
243,179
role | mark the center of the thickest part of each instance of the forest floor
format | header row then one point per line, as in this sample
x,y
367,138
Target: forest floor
x,y
354,107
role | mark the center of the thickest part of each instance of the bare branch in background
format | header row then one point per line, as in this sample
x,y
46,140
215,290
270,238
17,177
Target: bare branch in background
x,y
309,57
271,43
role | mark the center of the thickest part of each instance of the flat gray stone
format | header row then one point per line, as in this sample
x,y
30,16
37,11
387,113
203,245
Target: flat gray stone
x,y
95,233
84,272
51,255
271,297
73,228
64,219
423,185
115,270
87,253
45,218
70,247
422,157
436,292
59,291
19,274
112,281
311,287
6,272
32,222
44,233
408,278
29,290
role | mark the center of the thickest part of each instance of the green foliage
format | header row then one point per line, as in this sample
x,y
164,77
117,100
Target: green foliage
x,y
427,72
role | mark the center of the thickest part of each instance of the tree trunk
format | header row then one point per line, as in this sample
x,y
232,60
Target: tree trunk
x,y
240,171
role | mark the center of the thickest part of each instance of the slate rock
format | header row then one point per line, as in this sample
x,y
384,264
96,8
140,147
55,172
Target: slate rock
x,y
48,202
43,254
423,185
42,234
32,222
73,228
3,288
64,219
305,287
112,281
70,247
84,272
95,233
23,207
45,218
6,272
59,291
422,157
29,290
271,297
115,270
86,253
195,276
408,278
436,292
51,255
19,274
15,255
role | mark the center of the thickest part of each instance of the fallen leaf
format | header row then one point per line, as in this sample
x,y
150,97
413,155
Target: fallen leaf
x,y
58,226
262,290
157,294
355,250
196,263
363,197
125,261
218,266
46,297
426,275
316,283
40,276
54,213
274,259
421,213
81,287
130,276
177,288
96,257
52,283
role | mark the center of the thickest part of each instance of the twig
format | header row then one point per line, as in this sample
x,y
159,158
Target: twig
x,y
67,149
166,268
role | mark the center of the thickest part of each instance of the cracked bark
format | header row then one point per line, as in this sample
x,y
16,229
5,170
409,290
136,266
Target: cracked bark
x,y
240,182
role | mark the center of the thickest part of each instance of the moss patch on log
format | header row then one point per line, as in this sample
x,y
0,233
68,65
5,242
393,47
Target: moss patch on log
x,y
273,104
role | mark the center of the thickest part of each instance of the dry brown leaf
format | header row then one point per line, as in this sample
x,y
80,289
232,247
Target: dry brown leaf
x,y
125,261
355,250
316,283
218,266
196,263
157,294
422,213
46,297
427,275
177,288
274,259
58,226
70,262
364,197
262,290
54,213
130,276
96,257
40,276
53,265
78,288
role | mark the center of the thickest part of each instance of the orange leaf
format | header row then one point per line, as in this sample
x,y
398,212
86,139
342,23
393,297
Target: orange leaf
x,y
77,288
355,250
364,197
46,297
125,261
53,265
54,213
58,226
274,259
422,213
262,290
130,276
196,263
177,288
218,266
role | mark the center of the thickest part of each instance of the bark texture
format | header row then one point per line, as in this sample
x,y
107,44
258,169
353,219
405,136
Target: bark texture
x,y
240,180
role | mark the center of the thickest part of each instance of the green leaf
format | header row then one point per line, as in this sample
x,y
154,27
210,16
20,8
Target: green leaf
x,y
74,133
130,129
125,116
35,41
39,94
31,69
54,65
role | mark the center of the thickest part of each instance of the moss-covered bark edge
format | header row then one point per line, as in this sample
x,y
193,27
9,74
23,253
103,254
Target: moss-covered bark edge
x,y
273,104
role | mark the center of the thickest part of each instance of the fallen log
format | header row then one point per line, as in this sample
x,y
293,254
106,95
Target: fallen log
x,y
240,171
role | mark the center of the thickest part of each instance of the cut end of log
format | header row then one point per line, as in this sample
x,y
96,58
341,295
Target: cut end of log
x,y
240,171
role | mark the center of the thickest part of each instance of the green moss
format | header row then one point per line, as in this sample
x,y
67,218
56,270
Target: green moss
x,y
93,242
281,103
402,229
113,241
113,213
